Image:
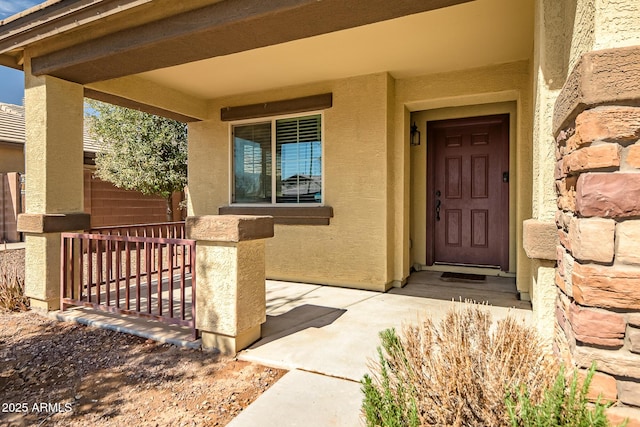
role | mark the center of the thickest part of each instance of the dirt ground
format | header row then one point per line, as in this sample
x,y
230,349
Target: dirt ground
x,y
64,374
54,373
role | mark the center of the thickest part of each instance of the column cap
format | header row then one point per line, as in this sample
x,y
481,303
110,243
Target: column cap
x,y
601,77
53,223
229,228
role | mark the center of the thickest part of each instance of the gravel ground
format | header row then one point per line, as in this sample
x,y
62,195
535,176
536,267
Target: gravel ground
x,y
65,374
11,260
55,373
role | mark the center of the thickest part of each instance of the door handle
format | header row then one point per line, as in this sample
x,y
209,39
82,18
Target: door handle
x,y
438,203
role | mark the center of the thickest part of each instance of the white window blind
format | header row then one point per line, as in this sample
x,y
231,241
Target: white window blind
x,y
296,144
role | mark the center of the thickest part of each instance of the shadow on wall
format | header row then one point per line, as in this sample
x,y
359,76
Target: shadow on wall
x,y
558,39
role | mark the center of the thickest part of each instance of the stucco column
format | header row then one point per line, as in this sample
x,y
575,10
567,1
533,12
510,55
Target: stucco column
x,y
54,181
230,271
539,234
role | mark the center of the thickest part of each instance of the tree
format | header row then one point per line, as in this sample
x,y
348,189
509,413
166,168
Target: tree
x,y
140,151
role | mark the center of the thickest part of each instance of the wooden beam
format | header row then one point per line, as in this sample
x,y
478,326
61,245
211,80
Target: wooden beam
x,y
10,61
274,108
135,105
221,28
140,94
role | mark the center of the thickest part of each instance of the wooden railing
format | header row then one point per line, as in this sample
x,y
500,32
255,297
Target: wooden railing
x,y
172,230
118,271
168,230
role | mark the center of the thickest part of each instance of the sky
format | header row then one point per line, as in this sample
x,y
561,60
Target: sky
x,y
12,81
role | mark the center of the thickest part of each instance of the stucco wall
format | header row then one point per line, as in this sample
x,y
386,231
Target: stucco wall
x,y
602,24
353,250
373,181
553,49
617,24
500,89
11,158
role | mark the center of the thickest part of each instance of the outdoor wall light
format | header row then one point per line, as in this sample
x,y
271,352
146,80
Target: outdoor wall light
x,y
414,135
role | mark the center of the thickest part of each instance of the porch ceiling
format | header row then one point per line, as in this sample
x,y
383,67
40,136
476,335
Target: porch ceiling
x,y
468,35
220,27
219,48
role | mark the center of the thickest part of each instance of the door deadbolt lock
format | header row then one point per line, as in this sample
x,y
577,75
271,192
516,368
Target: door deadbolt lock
x,y
505,176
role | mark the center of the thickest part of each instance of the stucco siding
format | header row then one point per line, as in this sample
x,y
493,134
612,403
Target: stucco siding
x,y
373,181
580,33
617,24
601,24
353,250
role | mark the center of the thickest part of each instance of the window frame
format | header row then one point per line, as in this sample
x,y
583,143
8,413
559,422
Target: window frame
x,y
273,120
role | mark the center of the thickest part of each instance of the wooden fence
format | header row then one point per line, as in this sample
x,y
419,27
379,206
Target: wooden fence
x,y
11,204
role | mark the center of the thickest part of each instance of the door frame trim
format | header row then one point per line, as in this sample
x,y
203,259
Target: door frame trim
x,y
505,162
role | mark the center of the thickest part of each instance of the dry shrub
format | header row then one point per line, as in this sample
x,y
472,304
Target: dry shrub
x,y
12,296
457,373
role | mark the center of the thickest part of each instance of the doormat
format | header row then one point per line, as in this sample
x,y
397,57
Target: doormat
x,y
452,277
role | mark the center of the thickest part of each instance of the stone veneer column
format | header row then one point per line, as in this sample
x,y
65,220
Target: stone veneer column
x,y
54,181
597,125
230,278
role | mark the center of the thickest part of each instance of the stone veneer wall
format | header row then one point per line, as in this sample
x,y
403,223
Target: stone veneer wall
x,y
597,122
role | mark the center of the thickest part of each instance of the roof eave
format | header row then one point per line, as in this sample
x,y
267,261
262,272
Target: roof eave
x,y
55,17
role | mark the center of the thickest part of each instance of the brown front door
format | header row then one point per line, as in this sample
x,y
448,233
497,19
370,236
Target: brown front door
x,y
468,191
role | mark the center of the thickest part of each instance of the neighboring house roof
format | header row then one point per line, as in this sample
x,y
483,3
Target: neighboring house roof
x,y
12,128
12,124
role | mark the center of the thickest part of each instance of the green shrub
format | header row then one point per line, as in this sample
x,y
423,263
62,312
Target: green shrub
x,y
384,405
560,406
455,374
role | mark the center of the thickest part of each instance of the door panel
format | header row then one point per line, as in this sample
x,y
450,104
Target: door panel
x,y
468,200
453,227
479,177
453,177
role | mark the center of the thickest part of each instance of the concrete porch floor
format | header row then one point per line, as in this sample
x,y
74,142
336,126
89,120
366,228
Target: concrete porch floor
x,y
326,336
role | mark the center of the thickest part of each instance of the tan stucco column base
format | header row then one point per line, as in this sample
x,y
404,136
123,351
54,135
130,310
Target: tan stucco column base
x,y
230,345
42,284
230,285
42,263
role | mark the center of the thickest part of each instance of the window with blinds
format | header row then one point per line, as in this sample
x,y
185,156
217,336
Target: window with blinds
x,y
252,163
296,145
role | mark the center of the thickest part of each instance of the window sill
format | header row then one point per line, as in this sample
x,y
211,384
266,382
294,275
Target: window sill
x,y
317,215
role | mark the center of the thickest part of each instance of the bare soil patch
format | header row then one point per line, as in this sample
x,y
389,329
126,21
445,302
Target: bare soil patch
x,y
65,374
54,373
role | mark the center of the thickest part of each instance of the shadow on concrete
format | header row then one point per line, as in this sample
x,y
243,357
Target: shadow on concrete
x,y
495,291
295,320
